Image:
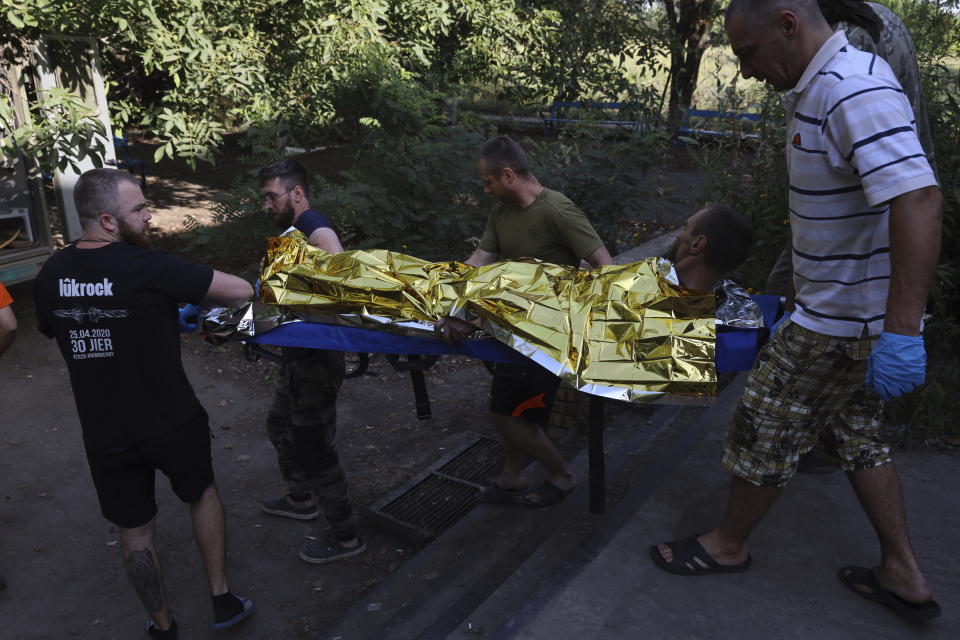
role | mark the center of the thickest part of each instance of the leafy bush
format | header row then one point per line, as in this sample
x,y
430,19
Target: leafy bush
x,y
237,236
419,196
375,97
603,172
751,176
424,197
61,129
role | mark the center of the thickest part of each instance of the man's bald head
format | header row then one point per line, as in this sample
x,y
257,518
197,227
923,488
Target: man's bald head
x,y
775,40
764,11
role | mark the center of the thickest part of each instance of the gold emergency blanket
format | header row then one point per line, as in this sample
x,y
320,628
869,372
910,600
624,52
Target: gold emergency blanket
x,y
620,331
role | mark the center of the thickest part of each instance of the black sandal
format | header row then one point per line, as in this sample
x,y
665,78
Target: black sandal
x,y
863,582
543,495
493,493
691,559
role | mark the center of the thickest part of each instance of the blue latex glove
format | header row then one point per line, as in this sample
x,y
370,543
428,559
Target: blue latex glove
x,y
189,318
776,325
897,365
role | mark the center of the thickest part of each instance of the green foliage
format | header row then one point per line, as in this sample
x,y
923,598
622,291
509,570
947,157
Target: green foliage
x,y
447,44
21,14
59,131
584,53
420,196
751,176
376,97
188,71
424,197
603,173
239,227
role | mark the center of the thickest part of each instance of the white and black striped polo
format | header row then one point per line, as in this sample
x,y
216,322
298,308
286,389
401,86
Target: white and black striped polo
x,y
851,148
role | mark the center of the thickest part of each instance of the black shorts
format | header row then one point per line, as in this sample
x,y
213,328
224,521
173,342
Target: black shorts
x,y
523,392
125,481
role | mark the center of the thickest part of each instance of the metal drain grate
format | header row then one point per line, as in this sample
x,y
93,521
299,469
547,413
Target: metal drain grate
x,y
433,504
477,463
433,501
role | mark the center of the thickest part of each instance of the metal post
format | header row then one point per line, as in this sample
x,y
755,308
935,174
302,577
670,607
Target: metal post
x,y
596,457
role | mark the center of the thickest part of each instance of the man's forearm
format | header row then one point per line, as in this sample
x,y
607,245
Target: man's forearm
x,y
914,250
480,258
599,258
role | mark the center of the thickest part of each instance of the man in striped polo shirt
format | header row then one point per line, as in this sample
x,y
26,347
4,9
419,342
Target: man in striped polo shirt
x,y
865,219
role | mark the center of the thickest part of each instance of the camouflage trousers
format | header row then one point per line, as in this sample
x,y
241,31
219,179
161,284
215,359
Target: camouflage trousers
x,y
302,425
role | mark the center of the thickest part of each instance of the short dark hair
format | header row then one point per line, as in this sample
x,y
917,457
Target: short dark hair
x,y
96,192
290,172
855,12
729,236
502,153
759,10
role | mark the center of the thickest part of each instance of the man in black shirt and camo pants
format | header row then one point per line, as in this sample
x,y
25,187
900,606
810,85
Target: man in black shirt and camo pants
x,y
302,420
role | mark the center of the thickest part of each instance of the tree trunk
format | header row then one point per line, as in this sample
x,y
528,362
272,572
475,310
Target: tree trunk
x,y
690,25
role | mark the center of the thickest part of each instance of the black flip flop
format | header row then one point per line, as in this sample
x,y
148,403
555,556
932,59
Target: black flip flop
x,y
691,559
863,582
547,494
493,493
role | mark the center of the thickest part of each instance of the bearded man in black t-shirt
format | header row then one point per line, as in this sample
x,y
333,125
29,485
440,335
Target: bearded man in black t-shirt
x,y
111,305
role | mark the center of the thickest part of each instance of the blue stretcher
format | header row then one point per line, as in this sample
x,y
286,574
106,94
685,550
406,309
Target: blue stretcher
x,y
736,348
736,351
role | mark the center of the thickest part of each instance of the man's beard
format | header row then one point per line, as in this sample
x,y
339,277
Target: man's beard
x,y
129,236
285,218
671,253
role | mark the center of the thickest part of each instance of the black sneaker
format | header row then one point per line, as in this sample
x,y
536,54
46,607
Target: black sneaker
x,y
328,549
157,634
245,608
286,507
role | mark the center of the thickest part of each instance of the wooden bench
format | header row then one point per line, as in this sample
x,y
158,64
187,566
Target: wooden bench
x,y
691,125
637,117
621,115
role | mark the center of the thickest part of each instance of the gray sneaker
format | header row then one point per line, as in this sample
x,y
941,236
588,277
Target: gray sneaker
x,y
328,548
286,507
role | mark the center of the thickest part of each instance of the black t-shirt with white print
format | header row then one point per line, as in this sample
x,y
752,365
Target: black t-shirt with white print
x,y
113,312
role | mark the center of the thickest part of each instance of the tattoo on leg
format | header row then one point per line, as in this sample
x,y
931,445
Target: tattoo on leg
x,y
145,577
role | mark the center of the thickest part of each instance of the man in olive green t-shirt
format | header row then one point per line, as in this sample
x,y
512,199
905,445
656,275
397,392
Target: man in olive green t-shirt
x,y
529,221
550,228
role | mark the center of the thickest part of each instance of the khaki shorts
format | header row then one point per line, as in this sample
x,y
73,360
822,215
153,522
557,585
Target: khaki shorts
x,y
802,385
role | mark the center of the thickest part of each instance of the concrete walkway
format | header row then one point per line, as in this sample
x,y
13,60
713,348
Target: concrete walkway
x,y
791,590
561,573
